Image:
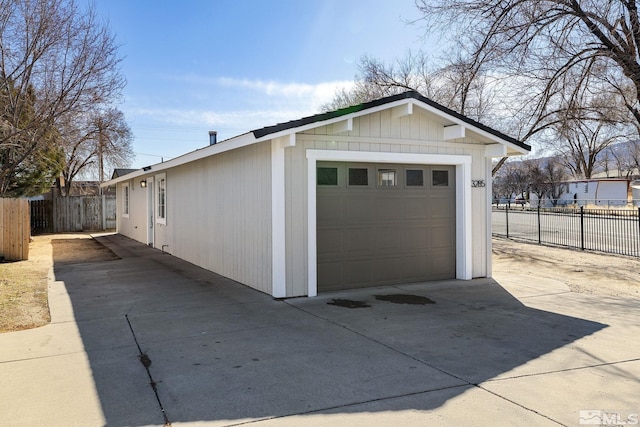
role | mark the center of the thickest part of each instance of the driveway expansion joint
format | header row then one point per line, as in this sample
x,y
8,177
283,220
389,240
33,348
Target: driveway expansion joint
x,y
577,368
348,405
146,362
521,406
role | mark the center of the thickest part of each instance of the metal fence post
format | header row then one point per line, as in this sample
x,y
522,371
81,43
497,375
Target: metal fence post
x,y
506,216
539,227
582,227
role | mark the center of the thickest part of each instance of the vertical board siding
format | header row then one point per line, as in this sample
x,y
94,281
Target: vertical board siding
x,y
424,135
15,229
135,226
219,214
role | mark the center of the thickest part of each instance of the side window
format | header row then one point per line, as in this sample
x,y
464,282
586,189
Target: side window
x,y
125,200
161,199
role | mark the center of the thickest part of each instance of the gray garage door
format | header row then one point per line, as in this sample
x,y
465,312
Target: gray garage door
x,y
381,224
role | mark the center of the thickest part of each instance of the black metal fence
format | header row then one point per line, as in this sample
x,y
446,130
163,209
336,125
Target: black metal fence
x,y
614,231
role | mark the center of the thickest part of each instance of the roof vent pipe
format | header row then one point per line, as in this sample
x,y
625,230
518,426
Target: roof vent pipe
x,y
213,137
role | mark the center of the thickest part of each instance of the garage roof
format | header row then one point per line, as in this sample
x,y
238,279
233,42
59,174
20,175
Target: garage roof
x,y
260,133
305,123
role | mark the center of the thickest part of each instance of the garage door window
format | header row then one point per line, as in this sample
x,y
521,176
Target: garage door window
x,y
327,176
358,176
414,178
440,178
387,178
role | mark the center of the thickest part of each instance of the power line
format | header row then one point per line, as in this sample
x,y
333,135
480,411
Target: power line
x,y
152,155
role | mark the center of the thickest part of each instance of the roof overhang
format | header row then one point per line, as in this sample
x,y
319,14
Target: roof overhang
x,y
455,124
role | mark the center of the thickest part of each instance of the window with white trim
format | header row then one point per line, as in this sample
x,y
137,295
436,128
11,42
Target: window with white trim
x,y
161,199
125,200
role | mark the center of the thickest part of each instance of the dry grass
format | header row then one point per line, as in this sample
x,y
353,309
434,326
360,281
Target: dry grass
x,y
23,289
24,302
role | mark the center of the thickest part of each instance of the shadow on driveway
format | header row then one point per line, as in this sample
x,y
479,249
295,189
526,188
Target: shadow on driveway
x,y
224,353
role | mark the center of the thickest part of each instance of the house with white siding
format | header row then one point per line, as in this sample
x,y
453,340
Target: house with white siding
x,y
396,190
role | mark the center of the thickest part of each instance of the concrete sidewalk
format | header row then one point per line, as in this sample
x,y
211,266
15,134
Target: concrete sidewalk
x,y
484,353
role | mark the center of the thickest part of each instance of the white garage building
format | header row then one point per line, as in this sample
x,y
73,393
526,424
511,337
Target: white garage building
x,y
396,190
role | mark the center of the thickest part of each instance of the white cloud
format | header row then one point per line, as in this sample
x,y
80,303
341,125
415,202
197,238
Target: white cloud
x,y
321,91
170,131
310,95
278,102
247,120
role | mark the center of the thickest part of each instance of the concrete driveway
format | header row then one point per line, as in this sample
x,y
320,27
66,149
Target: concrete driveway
x,y
149,339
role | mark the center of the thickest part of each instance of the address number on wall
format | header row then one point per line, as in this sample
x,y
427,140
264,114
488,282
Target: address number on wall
x,y
477,183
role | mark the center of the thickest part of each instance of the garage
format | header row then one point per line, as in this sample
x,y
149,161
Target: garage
x,y
392,191
381,224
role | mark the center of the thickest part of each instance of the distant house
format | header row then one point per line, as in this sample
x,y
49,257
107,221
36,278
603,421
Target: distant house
x,y
397,190
118,172
600,192
635,192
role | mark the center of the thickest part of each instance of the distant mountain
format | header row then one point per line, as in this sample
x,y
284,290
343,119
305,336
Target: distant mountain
x,y
606,166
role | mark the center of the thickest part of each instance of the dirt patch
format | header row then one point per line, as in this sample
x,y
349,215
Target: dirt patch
x,y
583,272
24,284
347,303
79,248
405,299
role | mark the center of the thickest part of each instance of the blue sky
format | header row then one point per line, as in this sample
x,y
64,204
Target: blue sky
x,y
237,65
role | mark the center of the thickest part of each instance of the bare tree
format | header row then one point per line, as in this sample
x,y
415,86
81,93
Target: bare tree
x,y
512,181
56,60
93,142
377,79
582,138
634,158
545,44
457,86
624,157
536,177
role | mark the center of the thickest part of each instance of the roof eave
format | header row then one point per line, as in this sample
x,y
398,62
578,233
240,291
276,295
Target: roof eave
x,y
210,150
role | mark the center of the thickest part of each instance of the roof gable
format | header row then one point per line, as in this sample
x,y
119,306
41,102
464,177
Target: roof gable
x,y
362,108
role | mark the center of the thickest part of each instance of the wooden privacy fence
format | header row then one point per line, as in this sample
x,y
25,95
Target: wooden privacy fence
x,y
73,213
15,229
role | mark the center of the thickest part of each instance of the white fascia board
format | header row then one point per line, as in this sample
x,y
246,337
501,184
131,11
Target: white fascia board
x,y
331,121
201,153
469,126
520,150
